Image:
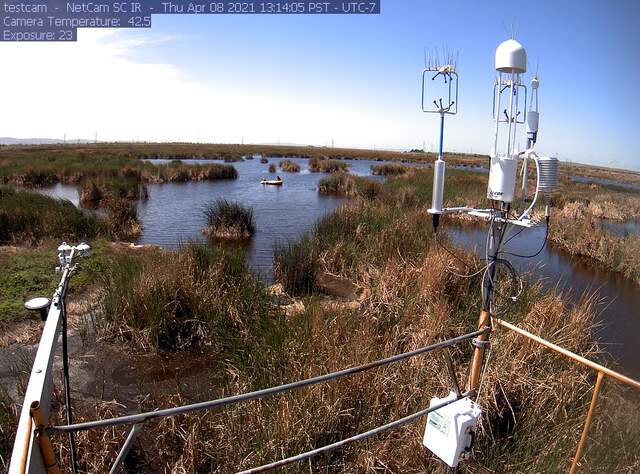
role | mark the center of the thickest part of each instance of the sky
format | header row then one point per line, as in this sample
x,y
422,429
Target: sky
x,y
353,81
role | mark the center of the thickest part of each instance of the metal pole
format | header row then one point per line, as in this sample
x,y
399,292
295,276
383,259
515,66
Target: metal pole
x,y
587,424
46,448
510,116
125,449
485,320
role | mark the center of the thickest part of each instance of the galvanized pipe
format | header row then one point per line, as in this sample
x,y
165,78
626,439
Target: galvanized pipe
x,y
125,449
358,437
142,417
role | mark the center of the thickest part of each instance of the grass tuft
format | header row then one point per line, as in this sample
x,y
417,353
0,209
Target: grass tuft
x,y
289,166
229,220
295,265
327,166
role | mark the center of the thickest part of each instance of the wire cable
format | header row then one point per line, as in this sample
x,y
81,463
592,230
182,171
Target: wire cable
x,y
142,417
544,244
67,383
447,268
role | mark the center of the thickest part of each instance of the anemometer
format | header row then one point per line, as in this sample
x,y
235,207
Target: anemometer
x,y
449,433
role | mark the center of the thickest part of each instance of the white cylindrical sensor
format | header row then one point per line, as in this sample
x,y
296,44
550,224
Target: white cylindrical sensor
x,y
502,179
533,119
438,187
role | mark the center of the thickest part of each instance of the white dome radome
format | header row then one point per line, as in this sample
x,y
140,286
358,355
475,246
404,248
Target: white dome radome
x,y
511,57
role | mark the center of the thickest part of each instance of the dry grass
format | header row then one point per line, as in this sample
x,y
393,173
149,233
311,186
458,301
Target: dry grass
x,y
578,231
289,166
327,166
388,169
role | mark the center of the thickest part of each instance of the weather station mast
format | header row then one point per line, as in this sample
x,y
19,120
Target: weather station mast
x,y
506,212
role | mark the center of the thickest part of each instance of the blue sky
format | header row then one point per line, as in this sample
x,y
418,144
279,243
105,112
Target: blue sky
x,y
351,79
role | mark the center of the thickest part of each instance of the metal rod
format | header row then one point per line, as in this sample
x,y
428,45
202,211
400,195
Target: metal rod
x,y
441,134
569,354
452,373
125,449
587,424
359,437
142,417
510,118
46,448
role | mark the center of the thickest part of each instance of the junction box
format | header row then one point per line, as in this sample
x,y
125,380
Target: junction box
x,y
450,430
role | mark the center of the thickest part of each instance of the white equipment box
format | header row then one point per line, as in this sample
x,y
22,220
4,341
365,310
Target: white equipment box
x,y
449,430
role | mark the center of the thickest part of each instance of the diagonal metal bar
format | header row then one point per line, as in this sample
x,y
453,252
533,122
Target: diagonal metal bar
x,y
358,437
143,417
125,449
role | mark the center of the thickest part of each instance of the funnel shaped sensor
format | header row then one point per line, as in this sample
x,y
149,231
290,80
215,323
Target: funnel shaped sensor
x,y
511,57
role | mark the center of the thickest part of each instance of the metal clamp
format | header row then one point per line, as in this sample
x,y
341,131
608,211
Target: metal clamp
x,y
475,342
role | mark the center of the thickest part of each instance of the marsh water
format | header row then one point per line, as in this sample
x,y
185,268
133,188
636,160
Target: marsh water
x,y
173,214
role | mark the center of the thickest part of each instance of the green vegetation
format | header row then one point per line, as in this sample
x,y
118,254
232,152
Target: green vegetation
x,y
295,265
341,184
327,166
26,273
289,166
95,193
229,220
195,297
41,166
388,169
28,218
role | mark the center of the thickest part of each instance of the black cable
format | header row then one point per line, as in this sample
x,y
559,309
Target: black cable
x,y
67,384
544,244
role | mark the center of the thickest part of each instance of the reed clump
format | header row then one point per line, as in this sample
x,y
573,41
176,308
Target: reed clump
x,y
340,184
289,166
296,265
121,220
198,296
97,193
228,220
317,165
388,169
28,218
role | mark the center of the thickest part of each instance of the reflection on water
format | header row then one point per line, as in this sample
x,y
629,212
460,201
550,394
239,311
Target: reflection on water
x,y
622,228
605,182
62,191
620,329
